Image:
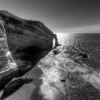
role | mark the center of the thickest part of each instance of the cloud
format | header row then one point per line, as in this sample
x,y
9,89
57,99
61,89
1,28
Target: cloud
x,y
85,29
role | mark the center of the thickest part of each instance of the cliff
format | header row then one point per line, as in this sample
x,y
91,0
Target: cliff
x,y
26,37
28,41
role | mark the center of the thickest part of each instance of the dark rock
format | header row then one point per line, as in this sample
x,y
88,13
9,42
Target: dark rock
x,y
28,41
83,55
56,51
63,80
7,75
14,85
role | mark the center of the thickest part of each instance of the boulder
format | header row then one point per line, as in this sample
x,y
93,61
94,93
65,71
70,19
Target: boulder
x,y
74,71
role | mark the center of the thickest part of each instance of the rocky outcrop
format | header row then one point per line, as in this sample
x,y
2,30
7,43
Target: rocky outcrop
x,y
28,41
72,70
26,38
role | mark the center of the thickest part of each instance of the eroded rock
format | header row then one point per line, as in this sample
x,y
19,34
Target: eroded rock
x,y
26,38
28,41
75,70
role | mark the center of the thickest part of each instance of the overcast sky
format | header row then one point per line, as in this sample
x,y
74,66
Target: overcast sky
x,y
58,15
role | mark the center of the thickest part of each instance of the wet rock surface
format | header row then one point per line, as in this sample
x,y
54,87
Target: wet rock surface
x,y
74,71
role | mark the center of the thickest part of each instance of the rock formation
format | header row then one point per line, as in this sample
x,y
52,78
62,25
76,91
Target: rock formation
x,y
27,36
14,85
28,41
72,69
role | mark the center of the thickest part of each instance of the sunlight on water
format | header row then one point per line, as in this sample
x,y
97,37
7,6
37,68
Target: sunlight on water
x,y
62,36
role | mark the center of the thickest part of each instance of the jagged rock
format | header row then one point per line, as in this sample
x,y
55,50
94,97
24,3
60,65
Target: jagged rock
x,y
75,71
56,51
26,38
28,42
14,85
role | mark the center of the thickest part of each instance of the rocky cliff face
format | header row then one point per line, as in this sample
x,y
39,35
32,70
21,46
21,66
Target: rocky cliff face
x,y
26,38
28,42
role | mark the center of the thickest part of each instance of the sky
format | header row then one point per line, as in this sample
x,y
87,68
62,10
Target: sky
x,y
58,15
